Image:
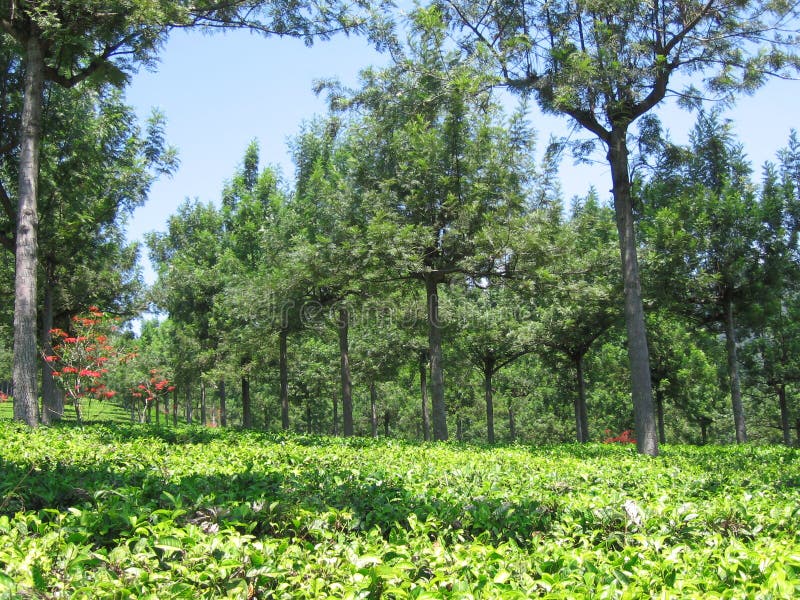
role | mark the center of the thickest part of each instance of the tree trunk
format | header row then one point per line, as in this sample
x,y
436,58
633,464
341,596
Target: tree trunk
x,y
335,427
175,407
223,411
638,355
662,438
423,385
488,371
512,424
284,377
188,398
373,404
26,406
247,412
309,429
52,401
386,418
344,354
158,412
785,425
203,415
581,412
733,373
435,351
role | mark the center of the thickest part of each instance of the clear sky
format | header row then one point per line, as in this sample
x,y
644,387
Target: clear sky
x,y
220,92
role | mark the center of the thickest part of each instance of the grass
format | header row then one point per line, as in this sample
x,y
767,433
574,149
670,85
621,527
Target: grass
x,y
128,511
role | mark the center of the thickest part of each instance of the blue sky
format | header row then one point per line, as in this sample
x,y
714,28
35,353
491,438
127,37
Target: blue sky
x,y
220,92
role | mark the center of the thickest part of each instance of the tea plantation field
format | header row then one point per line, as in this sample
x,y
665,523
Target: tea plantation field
x,y
129,511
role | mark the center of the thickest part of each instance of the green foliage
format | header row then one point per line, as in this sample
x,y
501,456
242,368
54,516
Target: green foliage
x,y
133,511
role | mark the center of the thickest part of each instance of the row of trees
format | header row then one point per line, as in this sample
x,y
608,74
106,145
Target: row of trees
x,y
419,239
431,183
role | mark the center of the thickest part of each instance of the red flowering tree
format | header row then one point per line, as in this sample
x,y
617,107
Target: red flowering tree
x,y
626,437
82,357
147,392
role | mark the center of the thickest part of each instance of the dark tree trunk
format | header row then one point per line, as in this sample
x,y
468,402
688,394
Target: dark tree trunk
x,y
785,424
435,352
189,408
223,411
581,412
284,377
247,412
662,438
459,428
335,427
158,412
203,415
797,431
373,404
344,354
148,411
638,355
26,405
733,373
175,407
52,400
512,424
423,385
386,418
488,371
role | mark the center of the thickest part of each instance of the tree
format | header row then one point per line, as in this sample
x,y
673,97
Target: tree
x,y
706,226
607,65
576,304
67,42
438,165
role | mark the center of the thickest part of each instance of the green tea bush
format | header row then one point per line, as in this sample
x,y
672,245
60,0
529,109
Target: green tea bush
x,y
128,511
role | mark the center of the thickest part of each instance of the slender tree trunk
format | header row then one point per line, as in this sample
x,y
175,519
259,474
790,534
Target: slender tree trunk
x,y
247,412
423,385
435,351
52,401
175,407
344,354
581,412
638,354
284,377
335,414
733,373
188,398
308,416
373,403
386,418
512,424
203,415
148,411
785,424
158,412
662,438
26,406
223,411
488,371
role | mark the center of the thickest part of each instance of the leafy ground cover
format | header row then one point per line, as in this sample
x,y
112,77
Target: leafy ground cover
x,y
126,511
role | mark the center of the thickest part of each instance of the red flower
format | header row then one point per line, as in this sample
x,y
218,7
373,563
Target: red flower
x,y
50,359
70,340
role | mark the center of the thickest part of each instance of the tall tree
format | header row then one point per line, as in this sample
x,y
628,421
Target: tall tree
x,y
705,217
605,65
439,165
